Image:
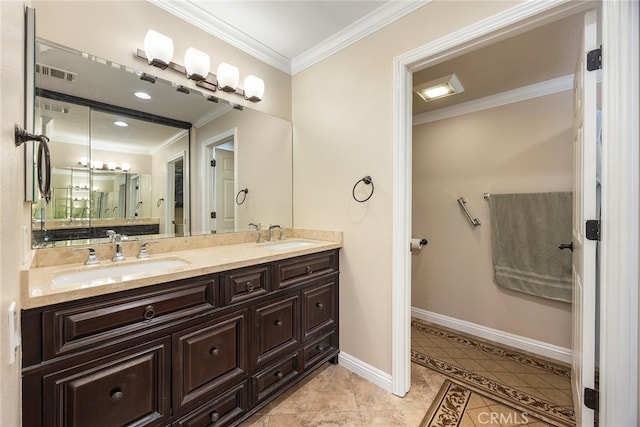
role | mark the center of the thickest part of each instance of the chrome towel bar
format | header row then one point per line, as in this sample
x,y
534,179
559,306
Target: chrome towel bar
x,y
463,204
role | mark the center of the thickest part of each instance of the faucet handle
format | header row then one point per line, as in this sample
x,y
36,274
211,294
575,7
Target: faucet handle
x,y
111,234
92,259
143,249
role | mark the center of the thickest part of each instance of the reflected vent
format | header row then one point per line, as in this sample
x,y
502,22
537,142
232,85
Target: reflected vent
x,y
56,73
53,107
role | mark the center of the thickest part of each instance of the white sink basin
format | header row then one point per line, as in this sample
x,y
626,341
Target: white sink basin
x,y
289,244
97,275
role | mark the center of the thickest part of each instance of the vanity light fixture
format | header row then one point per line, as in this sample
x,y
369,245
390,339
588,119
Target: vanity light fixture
x,y
112,166
196,64
228,77
125,167
83,161
439,88
159,49
253,88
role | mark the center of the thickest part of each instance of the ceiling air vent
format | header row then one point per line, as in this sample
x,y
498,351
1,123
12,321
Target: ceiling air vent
x,y
56,73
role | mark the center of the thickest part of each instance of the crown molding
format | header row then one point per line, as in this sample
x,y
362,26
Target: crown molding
x,y
195,15
370,23
548,87
212,115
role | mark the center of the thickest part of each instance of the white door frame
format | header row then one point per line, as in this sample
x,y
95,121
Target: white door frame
x,y
618,349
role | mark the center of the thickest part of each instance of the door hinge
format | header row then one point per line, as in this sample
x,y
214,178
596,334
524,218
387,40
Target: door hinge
x,y
591,398
213,163
594,59
592,229
213,215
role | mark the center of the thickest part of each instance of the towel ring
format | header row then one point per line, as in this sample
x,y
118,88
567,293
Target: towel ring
x,y
368,181
44,155
159,202
244,197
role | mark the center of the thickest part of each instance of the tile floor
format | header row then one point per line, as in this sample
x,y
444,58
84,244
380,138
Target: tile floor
x,y
333,396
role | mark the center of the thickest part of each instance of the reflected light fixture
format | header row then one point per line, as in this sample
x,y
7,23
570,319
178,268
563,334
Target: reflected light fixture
x,y
253,88
159,49
111,165
196,64
125,167
439,88
228,77
142,95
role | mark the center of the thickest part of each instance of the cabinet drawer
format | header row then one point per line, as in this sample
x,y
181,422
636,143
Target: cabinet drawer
x,y
68,329
128,388
277,328
208,357
247,283
229,406
319,349
319,308
293,271
274,377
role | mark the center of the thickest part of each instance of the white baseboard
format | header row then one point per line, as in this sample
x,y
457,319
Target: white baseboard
x,y
366,371
552,351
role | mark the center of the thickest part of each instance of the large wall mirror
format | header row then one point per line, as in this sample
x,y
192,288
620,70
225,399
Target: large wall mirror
x,y
147,158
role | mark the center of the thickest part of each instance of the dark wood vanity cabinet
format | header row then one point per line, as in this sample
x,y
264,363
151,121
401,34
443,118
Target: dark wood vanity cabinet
x,y
210,350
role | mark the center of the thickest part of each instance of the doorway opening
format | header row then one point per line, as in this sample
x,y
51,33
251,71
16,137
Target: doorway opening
x,y
219,161
176,212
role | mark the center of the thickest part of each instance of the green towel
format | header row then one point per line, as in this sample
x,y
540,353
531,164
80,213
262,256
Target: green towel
x,y
526,230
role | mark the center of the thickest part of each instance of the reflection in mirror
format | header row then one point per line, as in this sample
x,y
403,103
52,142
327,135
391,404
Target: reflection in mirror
x,y
80,96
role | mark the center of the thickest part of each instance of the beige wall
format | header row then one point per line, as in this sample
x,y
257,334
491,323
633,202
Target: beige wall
x,y
521,147
13,212
343,124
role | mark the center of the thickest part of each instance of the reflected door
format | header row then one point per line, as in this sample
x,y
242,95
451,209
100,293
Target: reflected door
x,y
225,206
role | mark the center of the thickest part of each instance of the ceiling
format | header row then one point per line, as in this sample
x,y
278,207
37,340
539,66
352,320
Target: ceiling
x,y
292,35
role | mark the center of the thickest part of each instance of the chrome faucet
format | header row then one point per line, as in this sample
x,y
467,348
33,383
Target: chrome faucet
x,y
271,236
92,259
143,250
258,228
111,234
118,256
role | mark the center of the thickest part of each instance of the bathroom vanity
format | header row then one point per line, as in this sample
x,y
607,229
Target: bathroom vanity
x,y
210,349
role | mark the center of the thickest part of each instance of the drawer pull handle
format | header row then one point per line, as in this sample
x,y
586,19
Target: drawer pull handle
x,y
116,395
249,287
309,269
279,375
319,347
215,416
278,323
214,351
320,305
149,312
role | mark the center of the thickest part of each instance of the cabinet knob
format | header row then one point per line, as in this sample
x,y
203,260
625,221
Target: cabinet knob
x,y
320,305
319,348
309,269
214,351
278,323
116,395
215,416
149,312
249,287
279,375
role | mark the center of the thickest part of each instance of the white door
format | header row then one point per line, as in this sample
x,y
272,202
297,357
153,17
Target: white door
x,y
584,208
225,206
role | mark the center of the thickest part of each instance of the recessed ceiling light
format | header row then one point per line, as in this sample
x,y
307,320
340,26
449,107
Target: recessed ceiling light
x,y
121,123
439,88
142,95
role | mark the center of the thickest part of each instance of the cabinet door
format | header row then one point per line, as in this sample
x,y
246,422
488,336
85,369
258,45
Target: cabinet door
x,y
127,388
277,328
209,357
302,269
241,285
226,408
275,377
319,311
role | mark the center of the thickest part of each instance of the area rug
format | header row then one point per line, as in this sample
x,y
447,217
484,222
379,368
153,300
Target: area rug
x,y
458,406
551,414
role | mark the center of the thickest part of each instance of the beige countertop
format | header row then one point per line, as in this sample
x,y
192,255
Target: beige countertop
x,y
194,256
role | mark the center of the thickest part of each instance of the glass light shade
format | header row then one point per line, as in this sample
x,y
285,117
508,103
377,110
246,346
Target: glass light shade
x,y
253,88
125,167
97,164
158,47
84,161
228,77
196,63
112,166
